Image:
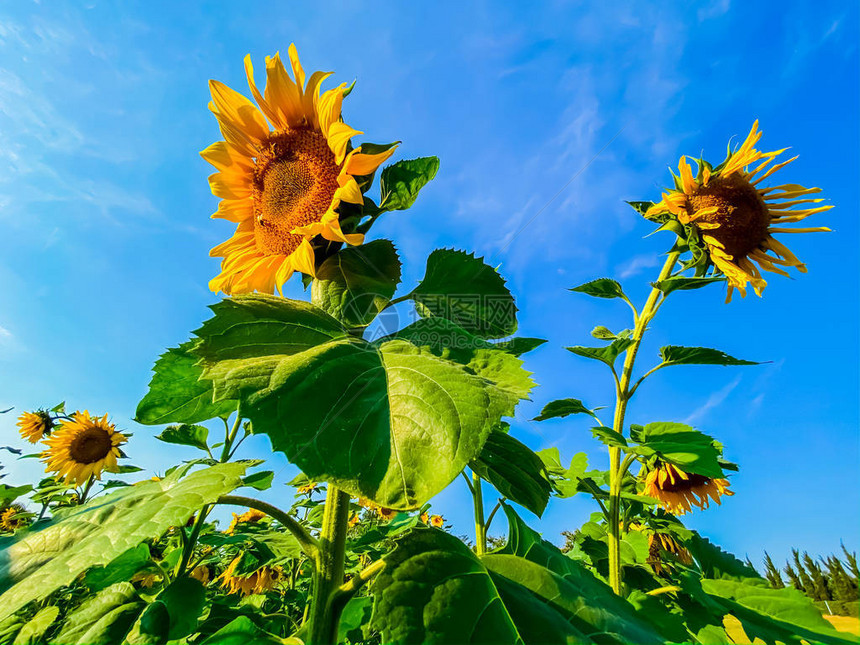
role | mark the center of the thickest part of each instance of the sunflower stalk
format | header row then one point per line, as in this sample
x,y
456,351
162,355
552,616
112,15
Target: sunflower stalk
x,y
328,572
480,524
624,392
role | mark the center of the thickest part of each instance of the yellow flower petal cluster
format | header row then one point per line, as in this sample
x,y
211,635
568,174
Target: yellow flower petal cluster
x,y
679,491
736,219
35,425
660,543
260,581
12,518
83,447
284,168
251,516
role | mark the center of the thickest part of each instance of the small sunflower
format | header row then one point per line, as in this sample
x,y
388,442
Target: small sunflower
x,y
660,543
252,516
307,489
146,579
35,425
83,447
200,573
735,219
261,580
679,491
13,518
354,520
282,185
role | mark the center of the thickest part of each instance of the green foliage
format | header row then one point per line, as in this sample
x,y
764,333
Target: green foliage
x,y
684,284
674,355
177,394
607,355
357,282
33,631
104,618
186,435
243,631
401,182
562,408
514,470
351,412
467,291
601,288
681,445
102,530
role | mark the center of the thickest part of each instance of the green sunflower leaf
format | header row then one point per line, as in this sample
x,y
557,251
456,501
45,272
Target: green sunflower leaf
x,y
95,534
104,618
609,437
34,629
465,290
390,421
435,590
520,345
122,568
674,355
357,282
607,355
515,471
184,599
243,631
176,393
683,284
186,434
601,288
401,182
562,408
679,444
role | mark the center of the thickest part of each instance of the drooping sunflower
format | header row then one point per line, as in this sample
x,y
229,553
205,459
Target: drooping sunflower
x,y
201,573
83,447
735,218
662,543
251,516
679,491
35,425
261,580
282,185
13,517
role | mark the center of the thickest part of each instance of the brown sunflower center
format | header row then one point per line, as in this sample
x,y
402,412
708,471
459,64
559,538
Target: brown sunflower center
x,y
294,183
90,446
679,485
742,215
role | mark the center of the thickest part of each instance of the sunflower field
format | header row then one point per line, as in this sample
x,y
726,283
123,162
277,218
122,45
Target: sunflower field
x,y
381,419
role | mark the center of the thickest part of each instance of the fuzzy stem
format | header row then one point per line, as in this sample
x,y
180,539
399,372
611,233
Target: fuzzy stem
x,y
623,394
328,574
480,526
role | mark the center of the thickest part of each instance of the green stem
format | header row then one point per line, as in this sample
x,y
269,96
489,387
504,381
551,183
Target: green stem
x,y
480,526
328,574
623,394
86,491
307,543
229,436
188,547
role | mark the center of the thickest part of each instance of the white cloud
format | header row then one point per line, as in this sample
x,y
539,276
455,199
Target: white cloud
x,y
636,264
715,400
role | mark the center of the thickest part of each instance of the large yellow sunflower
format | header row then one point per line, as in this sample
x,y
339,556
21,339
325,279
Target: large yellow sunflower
x,y
736,219
35,425
261,580
679,491
83,447
283,185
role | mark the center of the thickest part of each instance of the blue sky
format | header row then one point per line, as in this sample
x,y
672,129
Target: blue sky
x,y
104,208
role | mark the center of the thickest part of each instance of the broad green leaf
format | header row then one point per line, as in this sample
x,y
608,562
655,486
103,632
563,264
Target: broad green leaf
x,y
679,444
465,290
186,435
260,480
103,619
603,333
176,393
674,355
243,631
601,288
102,530
121,569
774,615
515,471
451,342
9,494
400,183
31,633
435,590
355,616
609,437
608,354
716,563
389,421
10,627
562,408
683,284
520,345
184,600
357,282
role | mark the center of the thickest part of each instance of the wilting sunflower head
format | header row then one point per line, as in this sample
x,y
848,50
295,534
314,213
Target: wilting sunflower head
x,y
35,425
733,220
83,447
13,517
259,581
679,491
252,516
661,544
284,169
